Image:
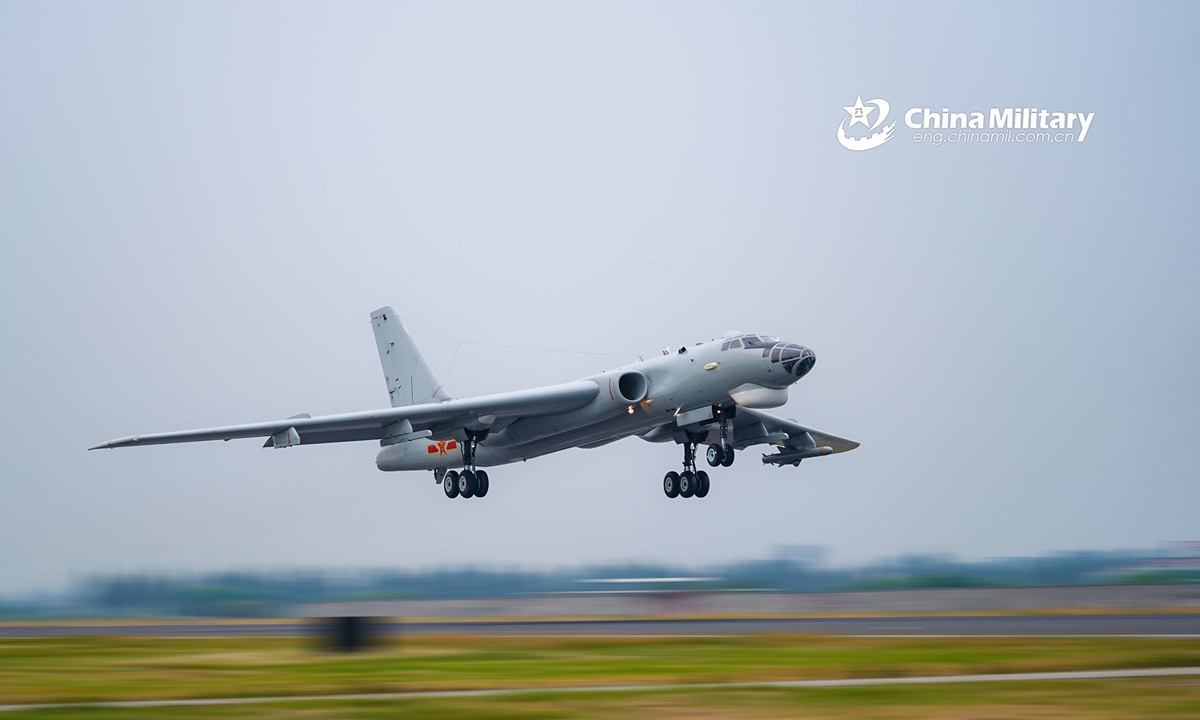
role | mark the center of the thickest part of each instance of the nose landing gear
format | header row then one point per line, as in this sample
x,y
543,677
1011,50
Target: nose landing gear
x,y
722,453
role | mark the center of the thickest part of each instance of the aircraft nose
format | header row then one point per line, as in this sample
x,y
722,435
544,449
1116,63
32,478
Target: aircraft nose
x,y
808,358
797,359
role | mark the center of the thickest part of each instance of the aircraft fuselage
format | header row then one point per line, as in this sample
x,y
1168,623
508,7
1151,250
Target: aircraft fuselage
x,y
630,400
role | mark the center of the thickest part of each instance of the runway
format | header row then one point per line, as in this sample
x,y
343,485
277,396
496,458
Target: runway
x,y
1133,673
1115,624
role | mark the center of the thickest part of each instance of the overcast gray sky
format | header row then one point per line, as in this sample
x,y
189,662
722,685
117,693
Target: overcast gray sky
x,y
201,203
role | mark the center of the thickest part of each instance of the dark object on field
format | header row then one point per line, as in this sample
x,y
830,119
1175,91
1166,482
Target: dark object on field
x,y
349,633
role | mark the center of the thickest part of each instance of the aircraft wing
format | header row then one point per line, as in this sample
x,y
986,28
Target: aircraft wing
x,y
754,427
372,425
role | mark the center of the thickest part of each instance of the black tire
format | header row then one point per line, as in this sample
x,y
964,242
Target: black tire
x,y
727,456
450,484
671,484
701,484
714,455
687,484
467,484
481,483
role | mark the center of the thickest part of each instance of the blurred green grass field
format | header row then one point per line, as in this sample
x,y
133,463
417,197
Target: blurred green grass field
x,y
55,670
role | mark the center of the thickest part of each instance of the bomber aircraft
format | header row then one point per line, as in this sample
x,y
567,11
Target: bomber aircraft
x,y
710,393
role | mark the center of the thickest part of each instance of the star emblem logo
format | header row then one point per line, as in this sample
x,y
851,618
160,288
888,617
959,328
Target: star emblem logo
x,y
859,113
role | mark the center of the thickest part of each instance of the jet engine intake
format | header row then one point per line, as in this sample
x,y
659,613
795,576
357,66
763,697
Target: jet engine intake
x,y
620,393
629,387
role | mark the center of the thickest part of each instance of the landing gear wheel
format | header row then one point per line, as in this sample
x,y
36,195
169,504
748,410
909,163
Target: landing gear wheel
x,y
481,483
687,483
671,484
701,484
467,484
715,455
727,456
450,484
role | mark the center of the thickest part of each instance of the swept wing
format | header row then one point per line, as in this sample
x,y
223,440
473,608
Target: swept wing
x,y
795,441
373,425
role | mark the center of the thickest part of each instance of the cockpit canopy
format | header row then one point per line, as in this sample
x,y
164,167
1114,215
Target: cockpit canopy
x,y
749,340
796,359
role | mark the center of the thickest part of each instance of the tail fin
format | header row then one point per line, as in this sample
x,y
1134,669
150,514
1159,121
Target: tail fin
x,y
409,379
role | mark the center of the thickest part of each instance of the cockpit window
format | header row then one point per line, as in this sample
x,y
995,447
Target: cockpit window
x,y
796,359
791,353
751,341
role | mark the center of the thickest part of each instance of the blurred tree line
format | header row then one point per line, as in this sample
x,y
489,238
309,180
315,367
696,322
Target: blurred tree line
x,y
793,569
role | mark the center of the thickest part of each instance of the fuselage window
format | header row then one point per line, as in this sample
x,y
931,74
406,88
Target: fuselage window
x,y
750,341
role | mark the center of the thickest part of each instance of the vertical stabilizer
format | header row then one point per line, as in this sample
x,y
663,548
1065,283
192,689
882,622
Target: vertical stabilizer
x,y
409,379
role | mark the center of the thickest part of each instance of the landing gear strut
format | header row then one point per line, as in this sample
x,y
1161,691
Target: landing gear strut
x,y
722,454
688,483
470,482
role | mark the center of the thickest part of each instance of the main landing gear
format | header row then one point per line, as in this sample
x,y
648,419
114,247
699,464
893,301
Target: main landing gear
x,y
470,482
693,483
688,483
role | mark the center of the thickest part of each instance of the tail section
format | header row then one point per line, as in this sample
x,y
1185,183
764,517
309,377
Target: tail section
x,y
409,379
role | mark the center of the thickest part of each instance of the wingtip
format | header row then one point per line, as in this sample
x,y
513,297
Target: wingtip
x,y
111,444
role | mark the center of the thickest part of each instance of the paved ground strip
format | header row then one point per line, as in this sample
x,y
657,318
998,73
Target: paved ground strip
x,y
1114,624
674,687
